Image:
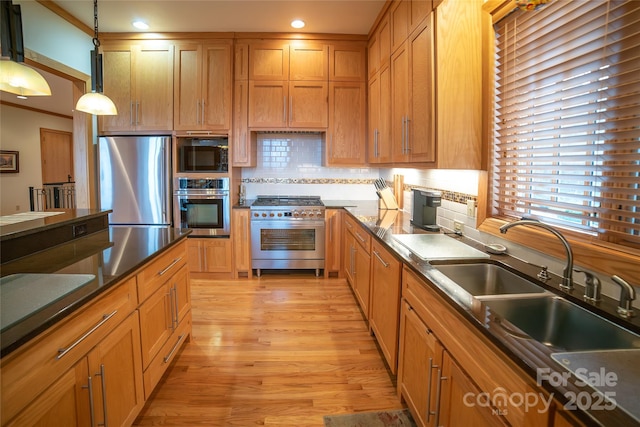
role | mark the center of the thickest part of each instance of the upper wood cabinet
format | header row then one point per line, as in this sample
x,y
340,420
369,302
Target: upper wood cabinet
x,y
138,77
405,17
379,136
346,135
202,84
242,141
283,60
380,46
459,84
347,62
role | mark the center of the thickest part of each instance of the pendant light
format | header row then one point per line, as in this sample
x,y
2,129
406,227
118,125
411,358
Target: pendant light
x,y
95,102
15,77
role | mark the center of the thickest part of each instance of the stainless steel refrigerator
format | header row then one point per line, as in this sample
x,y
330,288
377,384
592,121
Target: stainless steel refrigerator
x,y
135,179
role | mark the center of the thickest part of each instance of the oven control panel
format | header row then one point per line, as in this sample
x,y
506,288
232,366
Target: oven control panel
x,y
288,214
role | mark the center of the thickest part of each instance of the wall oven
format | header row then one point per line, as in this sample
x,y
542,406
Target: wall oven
x,y
202,204
287,233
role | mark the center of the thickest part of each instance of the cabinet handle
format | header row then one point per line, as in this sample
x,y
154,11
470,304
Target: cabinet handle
x,y
290,109
169,297
431,368
175,261
175,347
130,113
353,267
362,239
438,395
202,113
402,139
89,387
198,112
406,123
105,318
175,304
101,374
385,264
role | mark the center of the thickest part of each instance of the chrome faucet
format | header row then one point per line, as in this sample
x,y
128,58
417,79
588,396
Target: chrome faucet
x,y
567,274
627,295
592,286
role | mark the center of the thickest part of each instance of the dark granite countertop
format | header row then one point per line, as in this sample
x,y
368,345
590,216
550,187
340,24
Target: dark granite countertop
x,y
529,354
53,218
108,255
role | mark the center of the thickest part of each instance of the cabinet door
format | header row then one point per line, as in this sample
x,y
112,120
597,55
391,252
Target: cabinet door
x,y
384,314
399,17
455,410
269,61
188,87
379,117
117,85
241,241
244,147
195,262
421,129
418,10
217,255
268,104
156,324
307,104
400,103
348,257
65,402
361,278
346,135
153,87
216,103
418,363
347,63
332,262
181,299
308,61
116,367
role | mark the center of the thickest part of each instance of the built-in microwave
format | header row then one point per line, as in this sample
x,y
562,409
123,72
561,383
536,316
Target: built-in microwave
x,y
202,154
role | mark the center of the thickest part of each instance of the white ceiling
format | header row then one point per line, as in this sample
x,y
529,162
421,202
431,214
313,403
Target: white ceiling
x,y
321,16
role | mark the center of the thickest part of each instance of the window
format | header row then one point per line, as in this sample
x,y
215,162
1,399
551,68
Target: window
x,y
566,146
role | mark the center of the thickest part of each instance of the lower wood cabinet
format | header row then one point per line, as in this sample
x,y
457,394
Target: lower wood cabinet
x,y
103,388
241,234
209,255
384,311
98,366
333,242
357,263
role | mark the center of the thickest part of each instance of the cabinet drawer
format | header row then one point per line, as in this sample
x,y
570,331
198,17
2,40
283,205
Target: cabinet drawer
x,y
160,270
164,357
362,237
32,368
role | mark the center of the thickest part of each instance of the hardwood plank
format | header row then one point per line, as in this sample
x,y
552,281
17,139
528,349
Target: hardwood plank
x,y
279,350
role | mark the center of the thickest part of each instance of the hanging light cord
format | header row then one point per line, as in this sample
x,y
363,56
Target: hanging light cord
x,y
96,41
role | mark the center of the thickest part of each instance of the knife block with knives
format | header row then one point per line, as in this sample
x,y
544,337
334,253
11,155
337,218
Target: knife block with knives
x,y
387,199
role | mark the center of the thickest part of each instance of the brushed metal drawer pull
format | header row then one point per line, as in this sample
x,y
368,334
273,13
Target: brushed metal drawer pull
x,y
64,351
175,347
89,387
385,264
362,239
175,261
101,374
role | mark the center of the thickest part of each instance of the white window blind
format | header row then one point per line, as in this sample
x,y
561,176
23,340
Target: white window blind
x,y
567,130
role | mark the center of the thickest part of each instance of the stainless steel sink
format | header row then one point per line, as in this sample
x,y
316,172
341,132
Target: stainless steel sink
x,y
481,279
560,324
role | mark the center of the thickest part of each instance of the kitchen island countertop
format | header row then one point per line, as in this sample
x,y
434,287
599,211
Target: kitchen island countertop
x,y
109,256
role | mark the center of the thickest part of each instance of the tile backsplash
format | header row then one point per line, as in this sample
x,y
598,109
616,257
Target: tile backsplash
x,y
293,164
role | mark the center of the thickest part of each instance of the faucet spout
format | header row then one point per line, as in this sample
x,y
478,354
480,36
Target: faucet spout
x,y
567,274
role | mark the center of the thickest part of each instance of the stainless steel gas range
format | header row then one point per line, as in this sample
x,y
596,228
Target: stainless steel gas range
x,y
287,232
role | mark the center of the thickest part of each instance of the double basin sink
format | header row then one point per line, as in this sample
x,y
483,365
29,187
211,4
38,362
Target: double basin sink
x,y
538,314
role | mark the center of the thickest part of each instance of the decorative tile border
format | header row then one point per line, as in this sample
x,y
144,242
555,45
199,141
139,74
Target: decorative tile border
x,y
451,196
309,180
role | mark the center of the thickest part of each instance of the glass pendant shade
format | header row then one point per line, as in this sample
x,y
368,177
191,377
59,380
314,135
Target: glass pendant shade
x,y
21,80
96,103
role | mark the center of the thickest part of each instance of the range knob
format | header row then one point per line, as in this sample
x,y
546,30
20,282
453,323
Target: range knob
x,y
296,214
264,214
256,214
279,214
304,213
271,214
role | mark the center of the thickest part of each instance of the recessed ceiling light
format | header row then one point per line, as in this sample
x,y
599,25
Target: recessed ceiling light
x,y
297,23
141,25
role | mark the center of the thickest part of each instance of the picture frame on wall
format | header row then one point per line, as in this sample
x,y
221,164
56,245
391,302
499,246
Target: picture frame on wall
x,y
9,161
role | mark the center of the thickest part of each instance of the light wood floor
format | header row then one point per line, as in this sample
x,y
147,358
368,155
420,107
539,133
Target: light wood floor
x,y
280,350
